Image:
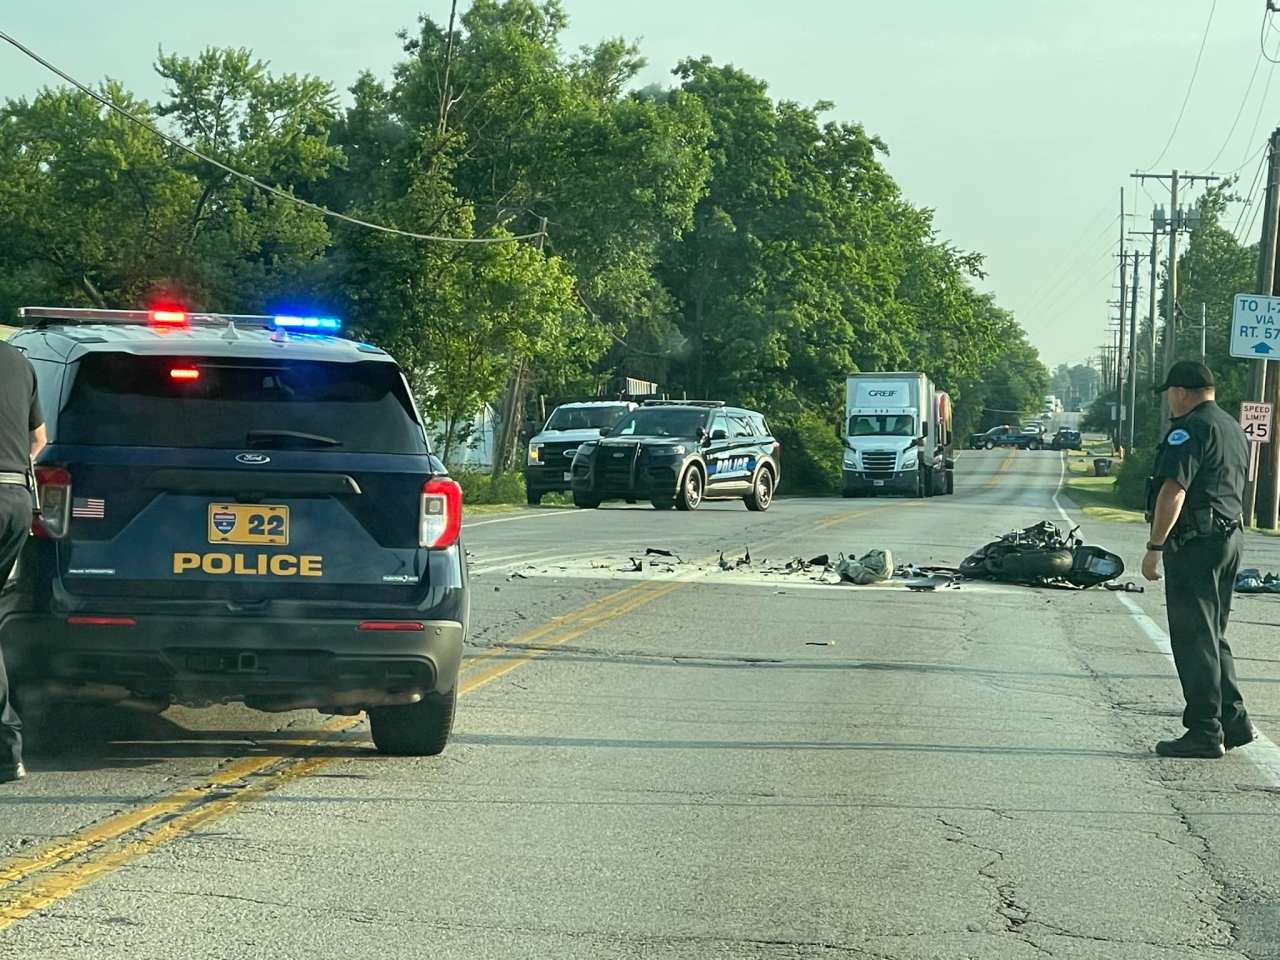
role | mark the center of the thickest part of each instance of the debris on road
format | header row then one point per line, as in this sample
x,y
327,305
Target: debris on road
x,y
932,581
1040,555
820,643
1127,587
656,552
875,566
1253,580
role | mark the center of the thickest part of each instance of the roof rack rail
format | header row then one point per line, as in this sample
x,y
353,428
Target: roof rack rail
x,y
684,403
45,316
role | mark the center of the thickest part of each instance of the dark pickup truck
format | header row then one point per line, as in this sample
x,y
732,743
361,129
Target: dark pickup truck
x,y
1006,436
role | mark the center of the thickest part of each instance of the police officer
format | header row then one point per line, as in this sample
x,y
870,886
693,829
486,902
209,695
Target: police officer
x,y
22,436
1195,502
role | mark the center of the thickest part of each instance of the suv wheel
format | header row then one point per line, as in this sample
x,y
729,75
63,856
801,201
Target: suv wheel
x,y
583,502
663,504
989,445
1033,445
761,494
416,729
689,496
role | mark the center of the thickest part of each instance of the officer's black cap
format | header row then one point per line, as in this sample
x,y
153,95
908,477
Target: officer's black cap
x,y
1188,374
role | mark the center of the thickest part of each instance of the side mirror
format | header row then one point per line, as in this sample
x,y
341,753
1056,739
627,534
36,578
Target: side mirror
x,y
605,431
719,435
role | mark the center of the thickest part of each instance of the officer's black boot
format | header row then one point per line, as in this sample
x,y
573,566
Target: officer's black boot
x,y
18,772
1241,736
1192,746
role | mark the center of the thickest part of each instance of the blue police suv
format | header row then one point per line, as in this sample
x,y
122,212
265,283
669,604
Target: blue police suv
x,y
237,508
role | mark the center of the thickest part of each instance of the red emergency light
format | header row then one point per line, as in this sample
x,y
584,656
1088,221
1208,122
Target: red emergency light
x,y
184,373
168,318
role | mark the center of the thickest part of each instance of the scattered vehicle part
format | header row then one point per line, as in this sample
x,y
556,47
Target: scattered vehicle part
x,y
874,566
1253,580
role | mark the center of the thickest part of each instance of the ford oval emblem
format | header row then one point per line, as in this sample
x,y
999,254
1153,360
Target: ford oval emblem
x,y
252,458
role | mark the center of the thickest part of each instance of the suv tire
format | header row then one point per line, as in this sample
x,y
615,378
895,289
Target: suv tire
x,y
692,488
584,502
761,494
416,729
989,445
663,504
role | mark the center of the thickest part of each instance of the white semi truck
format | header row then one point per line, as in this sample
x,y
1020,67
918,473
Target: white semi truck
x,y
897,436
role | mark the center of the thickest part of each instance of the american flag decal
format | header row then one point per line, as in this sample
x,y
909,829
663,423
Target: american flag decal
x,y
90,508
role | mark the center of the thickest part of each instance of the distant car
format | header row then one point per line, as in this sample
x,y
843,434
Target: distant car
x,y
679,454
1005,435
1066,439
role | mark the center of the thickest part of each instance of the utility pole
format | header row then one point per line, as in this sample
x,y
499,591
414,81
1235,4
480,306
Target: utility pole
x,y
1133,354
1120,354
1177,222
1262,497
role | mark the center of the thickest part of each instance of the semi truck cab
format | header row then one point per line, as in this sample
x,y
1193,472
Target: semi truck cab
x,y
897,433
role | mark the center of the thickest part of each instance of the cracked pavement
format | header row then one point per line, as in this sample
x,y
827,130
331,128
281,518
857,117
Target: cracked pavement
x,y
963,774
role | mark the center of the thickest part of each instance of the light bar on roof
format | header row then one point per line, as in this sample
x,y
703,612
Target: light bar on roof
x,y
312,324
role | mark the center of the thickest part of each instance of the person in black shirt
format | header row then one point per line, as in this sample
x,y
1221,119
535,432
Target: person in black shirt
x,y
1195,502
22,436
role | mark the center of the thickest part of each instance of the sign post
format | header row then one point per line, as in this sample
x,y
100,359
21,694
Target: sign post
x,y
1255,420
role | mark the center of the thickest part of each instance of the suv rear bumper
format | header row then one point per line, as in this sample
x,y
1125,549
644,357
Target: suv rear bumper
x,y
268,663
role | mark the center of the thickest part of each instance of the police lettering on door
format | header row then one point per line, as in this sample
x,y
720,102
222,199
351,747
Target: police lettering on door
x,y
733,467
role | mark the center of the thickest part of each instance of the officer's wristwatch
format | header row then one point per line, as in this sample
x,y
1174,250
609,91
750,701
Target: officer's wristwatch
x,y
1157,547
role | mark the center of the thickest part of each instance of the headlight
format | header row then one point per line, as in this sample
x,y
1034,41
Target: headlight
x,y
674,450
851,458
535,455
910,459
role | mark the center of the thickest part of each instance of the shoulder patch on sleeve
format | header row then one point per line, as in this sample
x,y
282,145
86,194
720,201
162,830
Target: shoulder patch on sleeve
x,y
1178,437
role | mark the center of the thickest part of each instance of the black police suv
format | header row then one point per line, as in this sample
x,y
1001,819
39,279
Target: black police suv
x,y
237,509
679,454
1066,439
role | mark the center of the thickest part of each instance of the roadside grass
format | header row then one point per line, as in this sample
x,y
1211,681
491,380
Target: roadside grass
x,y
1096,496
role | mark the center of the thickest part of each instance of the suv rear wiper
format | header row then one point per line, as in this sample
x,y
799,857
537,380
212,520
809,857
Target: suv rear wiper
x,y
285,439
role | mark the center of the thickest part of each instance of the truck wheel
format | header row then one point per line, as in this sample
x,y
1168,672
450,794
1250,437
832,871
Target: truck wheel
x,y
534,497
989,445
689,496
583,502
416,729
927,482
951,482
761,494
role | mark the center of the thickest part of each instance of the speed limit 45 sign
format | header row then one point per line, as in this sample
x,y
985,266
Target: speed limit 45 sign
x,y
1255,418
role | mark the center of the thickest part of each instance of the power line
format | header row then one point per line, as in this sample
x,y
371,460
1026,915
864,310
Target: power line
x,y
1066,268
1257,63
247,178
1262,36
1249,200
1190,86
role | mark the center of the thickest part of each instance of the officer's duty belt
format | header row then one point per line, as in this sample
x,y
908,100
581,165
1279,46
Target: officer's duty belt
x,y
13,479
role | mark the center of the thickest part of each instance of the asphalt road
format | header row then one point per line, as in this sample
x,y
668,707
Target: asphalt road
x,y
691,762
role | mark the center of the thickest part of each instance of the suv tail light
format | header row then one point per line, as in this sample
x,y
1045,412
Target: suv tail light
x,y
55,503
440,519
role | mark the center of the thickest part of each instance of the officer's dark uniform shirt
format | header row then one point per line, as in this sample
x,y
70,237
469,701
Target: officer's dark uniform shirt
x,y
19,410
1206,452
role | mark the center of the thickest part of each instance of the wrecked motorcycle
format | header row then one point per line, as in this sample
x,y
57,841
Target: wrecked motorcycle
x,y
1040,555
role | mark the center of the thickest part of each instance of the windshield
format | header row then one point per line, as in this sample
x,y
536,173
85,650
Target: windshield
x,y
585,418
124,400
900,425
662,422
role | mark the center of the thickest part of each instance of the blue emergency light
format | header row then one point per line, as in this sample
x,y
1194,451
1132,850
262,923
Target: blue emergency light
x,y
313,324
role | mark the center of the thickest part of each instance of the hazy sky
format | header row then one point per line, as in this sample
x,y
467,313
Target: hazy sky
x,y
1017,120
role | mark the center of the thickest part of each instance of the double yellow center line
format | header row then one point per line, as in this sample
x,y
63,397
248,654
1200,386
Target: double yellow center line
x,y
37,880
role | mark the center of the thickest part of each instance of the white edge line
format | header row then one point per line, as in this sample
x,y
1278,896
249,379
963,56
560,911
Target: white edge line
x,y
1263,752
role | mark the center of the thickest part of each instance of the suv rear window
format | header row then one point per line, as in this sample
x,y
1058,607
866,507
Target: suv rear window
x,y
124,400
